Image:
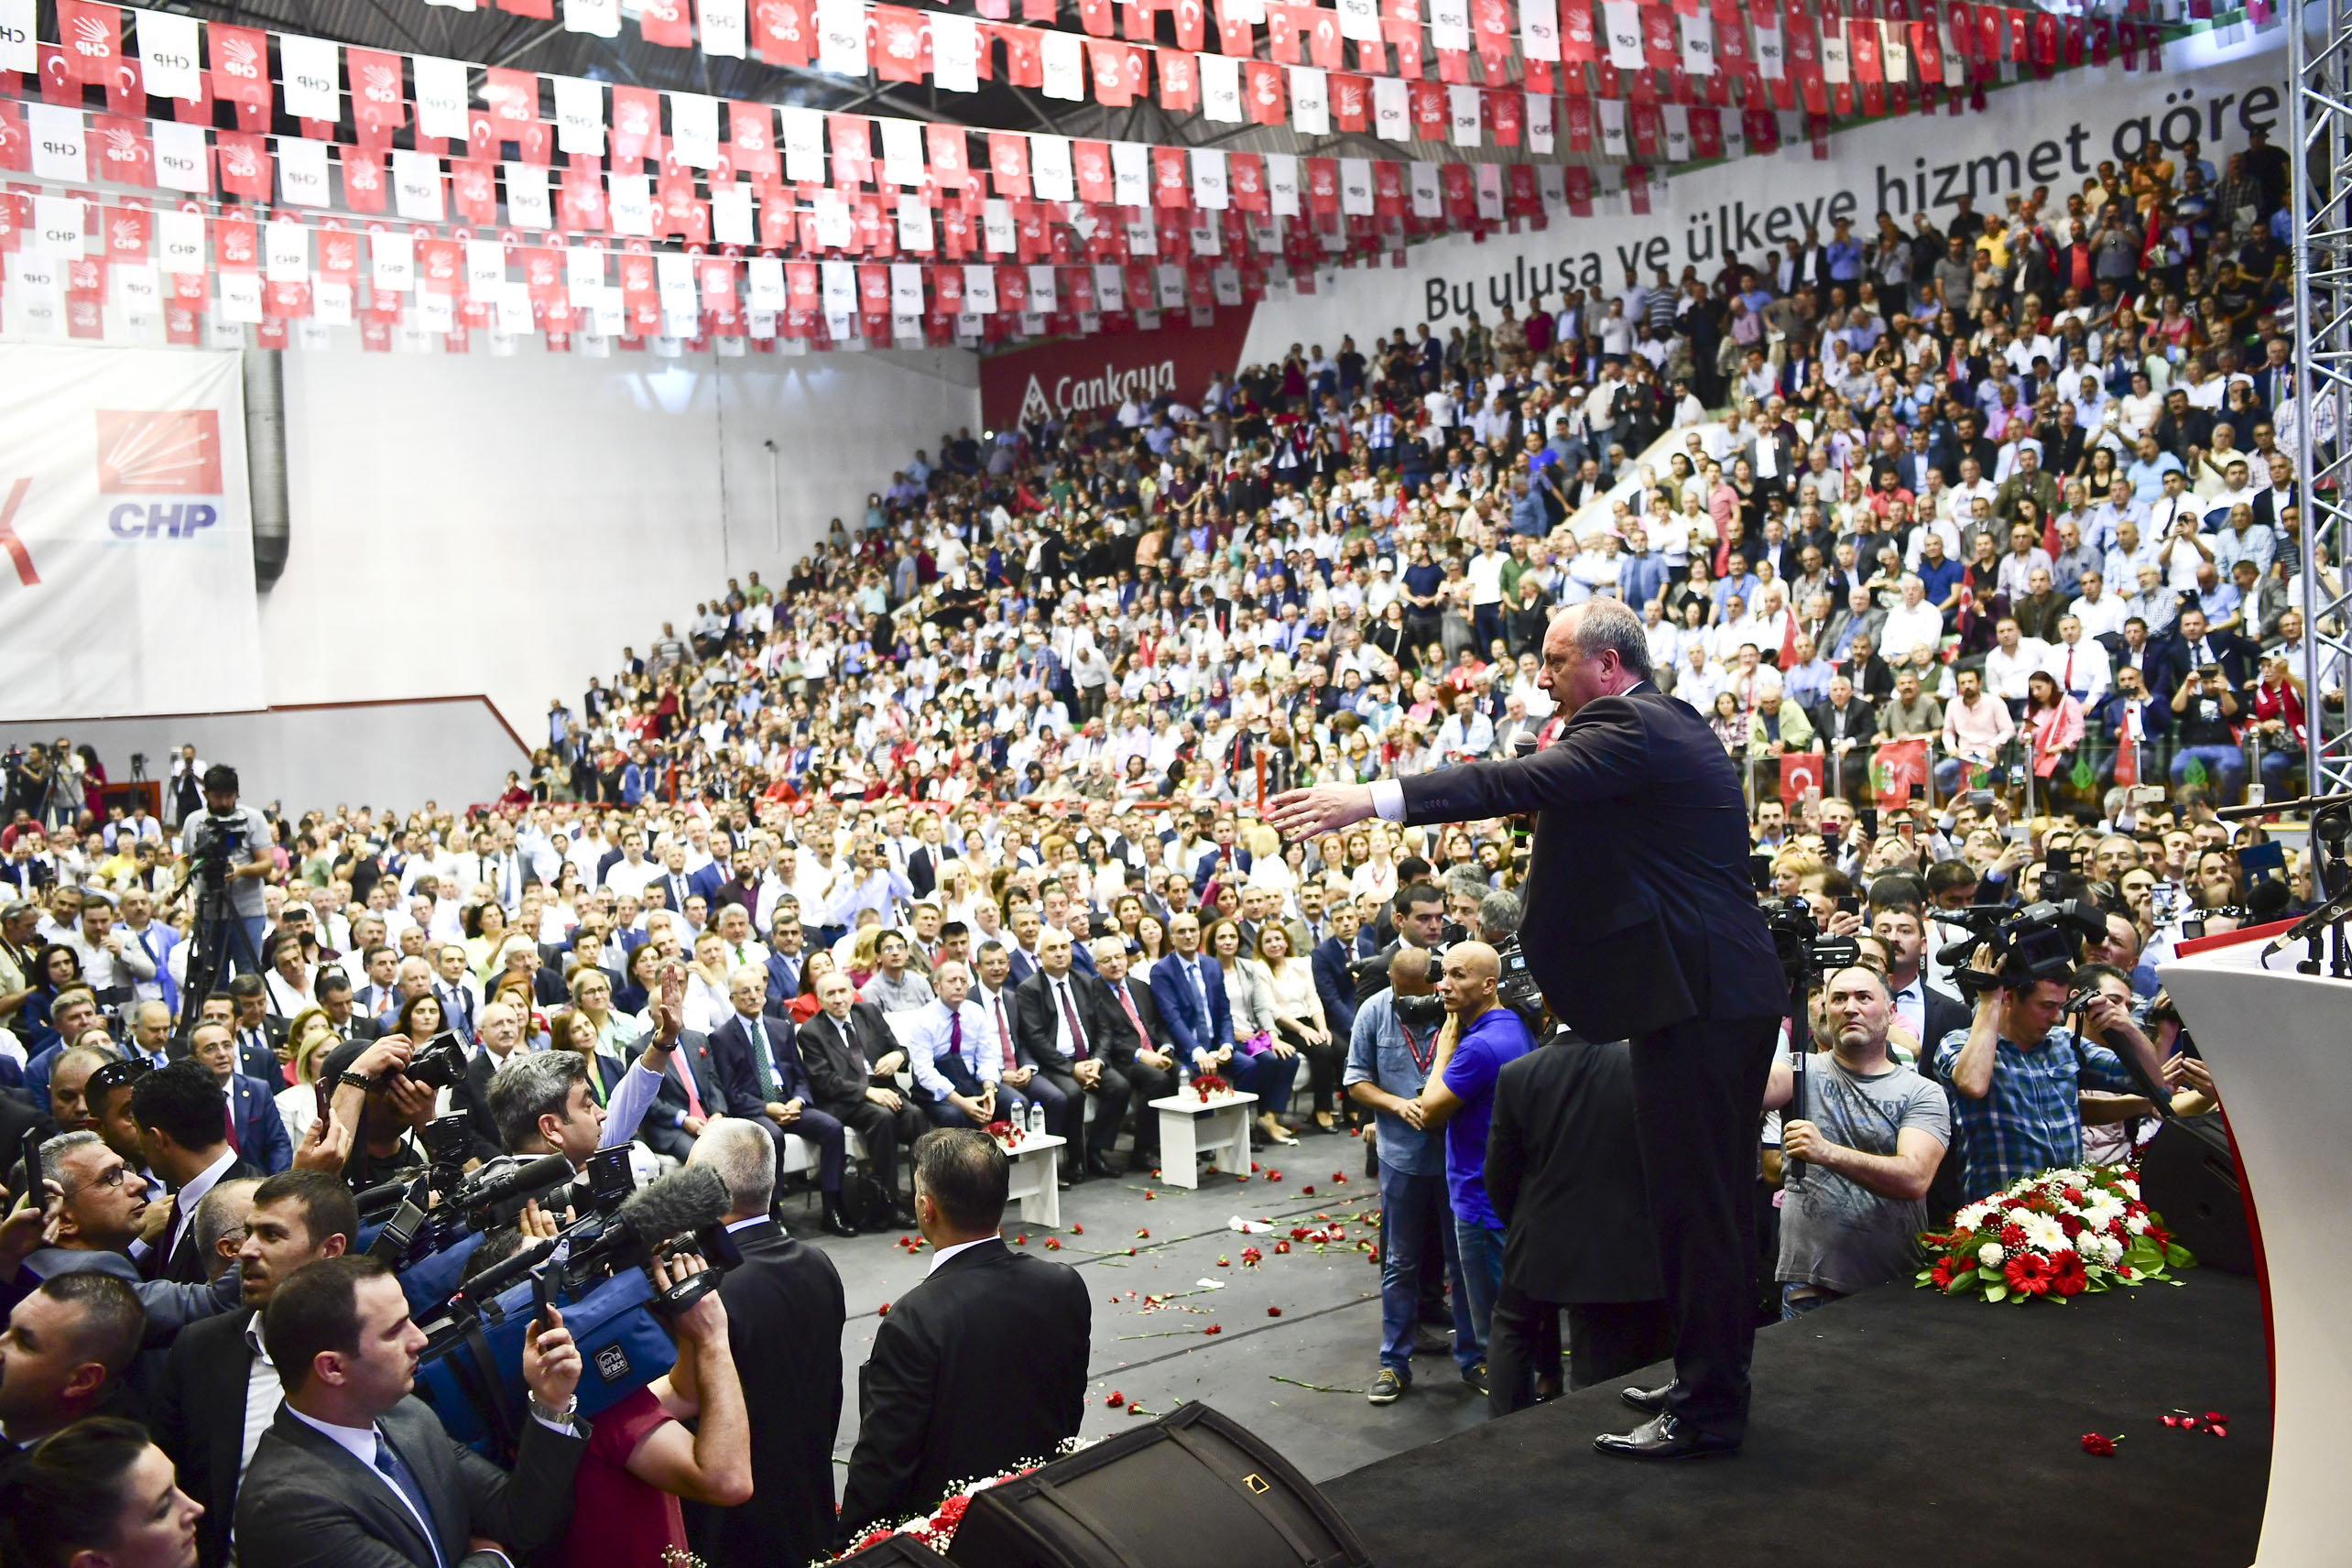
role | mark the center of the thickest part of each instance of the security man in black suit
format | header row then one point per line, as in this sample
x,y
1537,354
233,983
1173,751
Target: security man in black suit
x,y
1563,1170
1640,925
934,1405
298,1216
785,1311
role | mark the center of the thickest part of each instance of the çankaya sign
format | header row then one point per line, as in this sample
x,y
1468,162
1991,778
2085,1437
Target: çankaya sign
x,y
2215,87
1098,374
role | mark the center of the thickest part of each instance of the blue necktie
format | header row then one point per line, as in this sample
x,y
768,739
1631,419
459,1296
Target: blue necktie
x,y
393,1468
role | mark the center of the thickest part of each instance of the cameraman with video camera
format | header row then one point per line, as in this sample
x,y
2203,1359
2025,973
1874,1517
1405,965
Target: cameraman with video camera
x,y
2017,1073
230,841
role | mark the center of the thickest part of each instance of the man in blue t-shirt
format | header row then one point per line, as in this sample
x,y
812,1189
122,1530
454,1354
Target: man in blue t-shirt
x,y
1481,1037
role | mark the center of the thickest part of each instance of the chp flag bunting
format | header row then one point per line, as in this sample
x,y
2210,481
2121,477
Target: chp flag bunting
x,y
1899,771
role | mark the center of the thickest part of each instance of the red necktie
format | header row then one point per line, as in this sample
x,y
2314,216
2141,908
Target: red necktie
x,y
2069,681
1004,1035
686,1078
1070,1016
229,1120
1142,1038
956,1033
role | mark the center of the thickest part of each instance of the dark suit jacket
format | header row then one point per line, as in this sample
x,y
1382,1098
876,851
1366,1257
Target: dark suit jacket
x,y
934,1404
262,1140
1563,1170
2239,659
1638,911
1861,724
824,1055
731,1048
1114,1033
785,1312
470,1098
1333,983
1181,1010
200,1410
307,1503
186,1265
1036,1025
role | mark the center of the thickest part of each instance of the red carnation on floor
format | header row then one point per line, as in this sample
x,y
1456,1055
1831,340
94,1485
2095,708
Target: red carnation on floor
x,y
2028,1274
1214,1328
1115,1398
1306,1192
1077,1230
2098,1446
1273,1311
882,1311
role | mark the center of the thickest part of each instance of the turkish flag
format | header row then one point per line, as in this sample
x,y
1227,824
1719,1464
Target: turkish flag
x,y
1897,771
1801,774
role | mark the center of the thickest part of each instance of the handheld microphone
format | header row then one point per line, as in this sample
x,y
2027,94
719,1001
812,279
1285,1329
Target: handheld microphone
x,y
1523,744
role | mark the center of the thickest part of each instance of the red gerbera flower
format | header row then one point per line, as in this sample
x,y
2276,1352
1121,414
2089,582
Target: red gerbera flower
x,y
2067,1278
2028,1273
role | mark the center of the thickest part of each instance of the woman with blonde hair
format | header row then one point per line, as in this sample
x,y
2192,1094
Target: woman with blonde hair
x,y
308,1040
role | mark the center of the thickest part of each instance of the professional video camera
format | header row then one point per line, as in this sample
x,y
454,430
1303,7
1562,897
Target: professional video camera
x,y
1797,939
2043,940
598,1272
1516,988
218,835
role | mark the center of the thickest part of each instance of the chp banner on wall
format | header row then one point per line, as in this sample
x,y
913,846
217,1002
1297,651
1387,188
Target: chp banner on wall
x,y
127,579
2217,87
1074,375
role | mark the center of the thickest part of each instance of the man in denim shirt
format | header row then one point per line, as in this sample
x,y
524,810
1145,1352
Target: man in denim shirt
x,y
1387,1061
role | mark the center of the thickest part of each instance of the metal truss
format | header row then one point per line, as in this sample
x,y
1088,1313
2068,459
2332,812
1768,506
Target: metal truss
x,y
2319,58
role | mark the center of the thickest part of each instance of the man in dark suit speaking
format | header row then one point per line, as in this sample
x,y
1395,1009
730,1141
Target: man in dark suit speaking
x,y
935,1406
1639,926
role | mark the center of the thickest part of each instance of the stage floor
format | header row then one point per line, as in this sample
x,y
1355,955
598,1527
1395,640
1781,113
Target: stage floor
x,y
1896,1422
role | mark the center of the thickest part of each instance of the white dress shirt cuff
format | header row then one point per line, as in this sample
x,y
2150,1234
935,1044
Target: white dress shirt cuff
x,y
1388,799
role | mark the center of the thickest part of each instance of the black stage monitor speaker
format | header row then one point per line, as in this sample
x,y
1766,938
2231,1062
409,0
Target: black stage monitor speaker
x,y
2186,1174
1194,1489
892,1551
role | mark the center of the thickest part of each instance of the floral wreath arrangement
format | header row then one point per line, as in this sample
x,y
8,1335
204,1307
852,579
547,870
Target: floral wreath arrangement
x,y
2066,1233
936,1529
1009,1136
1208,1086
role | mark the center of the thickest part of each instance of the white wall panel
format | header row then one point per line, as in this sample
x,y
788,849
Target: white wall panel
x,y
505,525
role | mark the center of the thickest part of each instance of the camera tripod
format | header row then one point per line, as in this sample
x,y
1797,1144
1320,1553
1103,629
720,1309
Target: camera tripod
x,y
215,928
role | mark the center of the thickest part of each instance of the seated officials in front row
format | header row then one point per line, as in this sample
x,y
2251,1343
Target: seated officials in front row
x,y
356,1472
851,1057
1055,1016
934,1405
1135,1041
759,1065
956,1055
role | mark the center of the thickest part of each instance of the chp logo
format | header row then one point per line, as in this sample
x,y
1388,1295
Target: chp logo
x,y
164,454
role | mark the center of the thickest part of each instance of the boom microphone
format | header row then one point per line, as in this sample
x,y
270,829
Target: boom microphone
x,y
679,1204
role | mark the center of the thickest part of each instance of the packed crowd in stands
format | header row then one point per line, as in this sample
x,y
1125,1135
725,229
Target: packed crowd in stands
x,y
958,825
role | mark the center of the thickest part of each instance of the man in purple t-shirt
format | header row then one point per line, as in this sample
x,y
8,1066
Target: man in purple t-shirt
x,y
1478,1039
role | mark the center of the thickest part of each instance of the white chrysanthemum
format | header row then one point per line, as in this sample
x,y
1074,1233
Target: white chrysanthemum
x,y
2044,1234
2110,1249
1992,1255
2100,1214
2137,1224
1972,1218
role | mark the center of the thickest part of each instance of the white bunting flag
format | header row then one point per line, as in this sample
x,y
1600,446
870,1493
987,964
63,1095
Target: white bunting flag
x,y
417,185
1612,116
1539,29
1209,190
1771,54
18,49
1221,89
485,268
694,128
804,146
1697,32
955,53
1356,187
1130,174
168,66
905,288
674,282
137,289
529,205
902,151
1834,68
1358,19
841,37
1621,19
180,240
1678,133
1310,101
1049,172
836,228
1449,24
764,284
915,231
310,68
1110,288
1392,116
980,290
58,225
1539,125
1462,115
302,172
598,18
241,298
997,226
1063,57
183,158
839,282
580,115
60,147
629,206
721,26
1427,202
1281,185
441,97
730,213
1490,191
392,261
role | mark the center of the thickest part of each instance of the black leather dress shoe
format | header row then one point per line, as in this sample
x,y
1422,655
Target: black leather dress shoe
x,y
1649,1401
1666,1437
1100,1165
836,1225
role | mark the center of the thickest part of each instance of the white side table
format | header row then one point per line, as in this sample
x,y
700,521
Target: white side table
x,y
1190,1126
1034,1179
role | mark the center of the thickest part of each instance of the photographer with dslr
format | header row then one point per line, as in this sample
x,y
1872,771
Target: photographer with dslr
x,y
2017,1073
231,842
